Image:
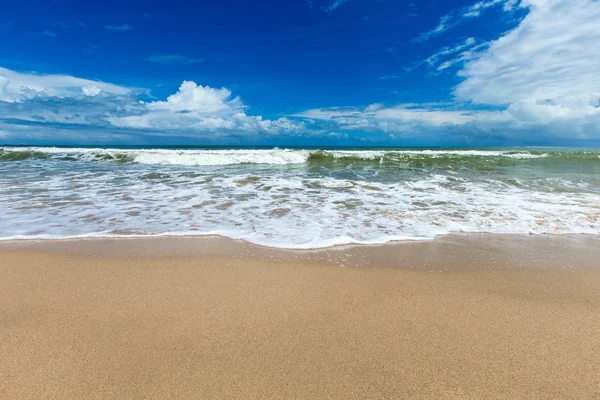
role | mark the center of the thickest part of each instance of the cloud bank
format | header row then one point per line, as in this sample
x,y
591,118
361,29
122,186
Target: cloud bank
x,y
67,102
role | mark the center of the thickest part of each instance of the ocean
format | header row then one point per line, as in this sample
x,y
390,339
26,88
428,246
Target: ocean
x,y
296,198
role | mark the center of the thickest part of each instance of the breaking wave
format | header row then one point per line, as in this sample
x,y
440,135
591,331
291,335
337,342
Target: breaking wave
x,y
209,157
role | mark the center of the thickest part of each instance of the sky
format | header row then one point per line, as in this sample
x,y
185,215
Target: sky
x,y
301,72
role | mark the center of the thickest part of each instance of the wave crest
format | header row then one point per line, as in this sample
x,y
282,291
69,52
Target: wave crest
x,y
478,159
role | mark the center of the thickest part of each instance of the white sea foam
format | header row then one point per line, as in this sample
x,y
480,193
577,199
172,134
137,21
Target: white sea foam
x,y
282,209
245,156
221,157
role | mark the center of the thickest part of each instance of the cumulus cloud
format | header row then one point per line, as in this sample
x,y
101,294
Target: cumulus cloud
x,y
19,86
91,90
198,98
201,108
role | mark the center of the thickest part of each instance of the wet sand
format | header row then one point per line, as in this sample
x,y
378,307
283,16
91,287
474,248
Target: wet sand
x,y
161,319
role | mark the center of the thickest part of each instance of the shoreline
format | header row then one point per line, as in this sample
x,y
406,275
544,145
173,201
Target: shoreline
x,y
455,251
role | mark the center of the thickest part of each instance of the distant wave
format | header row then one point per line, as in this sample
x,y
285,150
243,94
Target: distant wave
x,y
286,156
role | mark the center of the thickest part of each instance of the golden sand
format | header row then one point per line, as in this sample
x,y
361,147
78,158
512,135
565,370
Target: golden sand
x,y
76,326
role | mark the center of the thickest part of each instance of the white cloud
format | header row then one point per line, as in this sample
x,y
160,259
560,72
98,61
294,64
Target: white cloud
x,y
532,111
336,4
544,71
553,55
466,55
201,108
461,15
451,55
19,86
91,90
49,33
377,117
198,98
446,22
525,122
118,28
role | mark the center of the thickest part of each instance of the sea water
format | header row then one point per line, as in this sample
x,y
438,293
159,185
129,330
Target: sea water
x,y
296,198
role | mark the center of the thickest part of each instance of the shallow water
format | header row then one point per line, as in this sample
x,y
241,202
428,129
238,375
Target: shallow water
x,y
294,198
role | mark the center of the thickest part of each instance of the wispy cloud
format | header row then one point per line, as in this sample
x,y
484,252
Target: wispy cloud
x,y
49,33
118,28
449,56
335,5
174,59
461,15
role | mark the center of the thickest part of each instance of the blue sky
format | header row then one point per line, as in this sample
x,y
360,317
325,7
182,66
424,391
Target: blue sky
x,y
320,72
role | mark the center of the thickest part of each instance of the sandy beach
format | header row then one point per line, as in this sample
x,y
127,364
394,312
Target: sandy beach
x,y
116,320
301,199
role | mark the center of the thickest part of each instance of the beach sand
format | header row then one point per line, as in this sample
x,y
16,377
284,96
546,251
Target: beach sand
x,y
81,320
